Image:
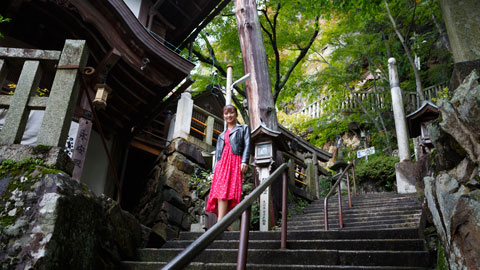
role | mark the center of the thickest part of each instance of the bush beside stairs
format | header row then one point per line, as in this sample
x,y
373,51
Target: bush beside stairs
x,y
381,231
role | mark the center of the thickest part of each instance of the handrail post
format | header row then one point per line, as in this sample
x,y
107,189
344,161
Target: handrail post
x,y
243,245
348,190
283,244
340,218
354,181
325,214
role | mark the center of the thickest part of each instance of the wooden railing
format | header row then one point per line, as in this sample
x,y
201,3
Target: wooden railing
x,y
205,126
372,100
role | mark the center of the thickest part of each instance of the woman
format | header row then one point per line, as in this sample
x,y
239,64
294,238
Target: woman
x,y
231,155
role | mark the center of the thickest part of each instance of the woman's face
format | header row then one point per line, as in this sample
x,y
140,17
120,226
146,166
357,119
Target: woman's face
x,y
230,116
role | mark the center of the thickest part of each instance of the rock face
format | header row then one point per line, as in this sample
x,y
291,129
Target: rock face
x,y
168,205
49,221
453,196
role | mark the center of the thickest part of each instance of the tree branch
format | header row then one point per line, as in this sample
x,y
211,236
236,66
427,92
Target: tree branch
x,y
303,53
418,80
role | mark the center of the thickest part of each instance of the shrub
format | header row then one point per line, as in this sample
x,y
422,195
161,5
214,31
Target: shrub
x,y
380,169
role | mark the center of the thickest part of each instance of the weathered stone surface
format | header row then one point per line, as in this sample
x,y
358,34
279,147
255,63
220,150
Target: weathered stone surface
x,y
448,153
180,162
173,198
177,180
456,214
461,70
53,156
464,171
57,223
187,149
463,28
176,216
460,116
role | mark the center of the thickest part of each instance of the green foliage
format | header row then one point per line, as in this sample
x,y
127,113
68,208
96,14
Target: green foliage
x,y
3,20
443,94
255,216
442,263
324,187
382,140
200,181
380,169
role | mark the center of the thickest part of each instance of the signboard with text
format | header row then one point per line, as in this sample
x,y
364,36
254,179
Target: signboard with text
x,y
365,152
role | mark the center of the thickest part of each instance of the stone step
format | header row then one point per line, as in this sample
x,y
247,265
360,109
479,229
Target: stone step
x,y
402,233
129,265
358,212
365,204
345,208
357,227
360,244
347,224
298,256
356,219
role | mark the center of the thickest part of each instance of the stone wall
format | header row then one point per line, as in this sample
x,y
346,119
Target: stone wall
x,y
453,195
167,205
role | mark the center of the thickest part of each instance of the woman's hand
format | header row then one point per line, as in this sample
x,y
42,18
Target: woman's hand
x,y
244,168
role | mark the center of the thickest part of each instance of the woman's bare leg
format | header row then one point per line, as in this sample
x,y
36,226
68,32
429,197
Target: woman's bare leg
x,y
222,209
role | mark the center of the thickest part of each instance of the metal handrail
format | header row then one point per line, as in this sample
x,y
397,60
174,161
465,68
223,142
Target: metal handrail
x,y
190,252
337,185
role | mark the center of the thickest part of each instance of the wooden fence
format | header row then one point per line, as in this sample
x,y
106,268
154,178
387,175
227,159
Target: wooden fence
x,y
372,100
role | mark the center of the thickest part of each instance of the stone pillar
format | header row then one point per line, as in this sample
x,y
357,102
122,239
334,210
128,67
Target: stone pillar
x,y
209,130
311,180
263,174
398,112
63,95
183,118
403,169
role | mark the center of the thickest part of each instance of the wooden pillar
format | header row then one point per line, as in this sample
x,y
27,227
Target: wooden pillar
x,y
261,107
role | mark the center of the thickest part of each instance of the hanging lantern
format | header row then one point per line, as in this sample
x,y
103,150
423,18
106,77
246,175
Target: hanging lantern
x,y
100,100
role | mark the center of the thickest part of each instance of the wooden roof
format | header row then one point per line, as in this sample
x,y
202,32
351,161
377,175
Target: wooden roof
x,y
184,19
119,48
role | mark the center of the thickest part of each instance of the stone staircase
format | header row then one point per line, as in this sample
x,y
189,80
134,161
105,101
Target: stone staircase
x,y
381,231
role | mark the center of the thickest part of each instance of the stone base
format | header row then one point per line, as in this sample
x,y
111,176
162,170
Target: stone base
x,y
405,174
52,156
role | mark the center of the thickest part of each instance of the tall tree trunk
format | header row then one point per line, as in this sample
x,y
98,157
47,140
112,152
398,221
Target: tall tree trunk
x,y
261,107
418,80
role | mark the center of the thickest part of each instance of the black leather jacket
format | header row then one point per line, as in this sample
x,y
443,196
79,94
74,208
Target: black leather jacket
x,y
239,140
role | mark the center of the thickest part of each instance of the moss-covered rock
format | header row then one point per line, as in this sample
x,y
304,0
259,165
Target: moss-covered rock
x,y
49,221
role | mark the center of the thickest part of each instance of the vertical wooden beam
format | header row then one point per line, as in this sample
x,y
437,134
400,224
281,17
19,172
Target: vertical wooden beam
x,y
63,96
85,124
18,112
